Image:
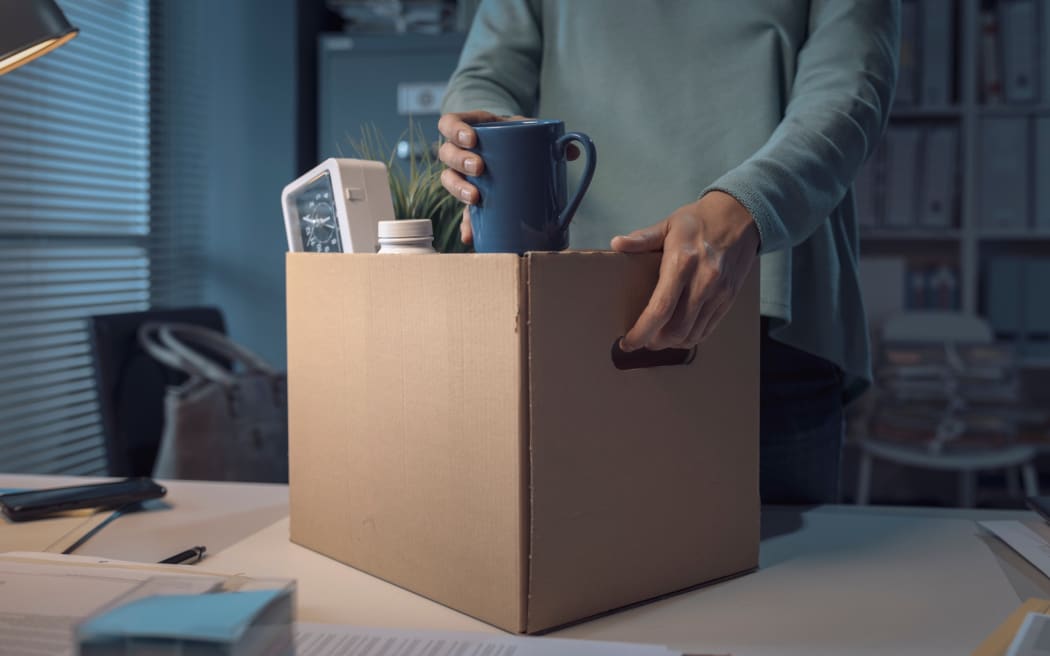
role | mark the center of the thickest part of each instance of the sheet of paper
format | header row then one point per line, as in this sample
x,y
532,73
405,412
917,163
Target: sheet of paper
x,y
44,596
337,640
1023,540
54,534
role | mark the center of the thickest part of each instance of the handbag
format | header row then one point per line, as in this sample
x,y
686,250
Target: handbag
x,y
222,423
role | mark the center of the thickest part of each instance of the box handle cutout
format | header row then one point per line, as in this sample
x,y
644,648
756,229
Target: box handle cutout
x,y
646,359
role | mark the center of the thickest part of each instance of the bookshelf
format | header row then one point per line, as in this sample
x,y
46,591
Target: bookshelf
x,y
967,243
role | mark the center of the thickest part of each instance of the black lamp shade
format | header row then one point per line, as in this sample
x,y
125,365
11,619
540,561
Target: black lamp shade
x,y
29,29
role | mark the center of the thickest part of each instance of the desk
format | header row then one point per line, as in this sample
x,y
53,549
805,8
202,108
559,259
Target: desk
x,y
833,580
193,512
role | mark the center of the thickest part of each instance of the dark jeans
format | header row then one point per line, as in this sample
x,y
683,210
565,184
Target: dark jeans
x,y
801,432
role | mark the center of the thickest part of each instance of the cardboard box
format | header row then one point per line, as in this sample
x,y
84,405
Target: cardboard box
x,y
458,428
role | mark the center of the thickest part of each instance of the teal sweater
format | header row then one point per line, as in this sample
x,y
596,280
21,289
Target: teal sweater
x,y
776,102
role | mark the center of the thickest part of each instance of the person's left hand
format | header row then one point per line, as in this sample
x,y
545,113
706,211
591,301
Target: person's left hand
x,y
709,247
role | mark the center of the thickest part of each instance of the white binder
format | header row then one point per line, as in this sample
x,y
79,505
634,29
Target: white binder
x,y
1003,173
936,51
903,149
1019,33
937,194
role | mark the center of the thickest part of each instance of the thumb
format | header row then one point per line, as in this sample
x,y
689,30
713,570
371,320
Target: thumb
x,y
641,241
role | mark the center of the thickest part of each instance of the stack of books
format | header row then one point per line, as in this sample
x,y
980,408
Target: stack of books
x,y
947,397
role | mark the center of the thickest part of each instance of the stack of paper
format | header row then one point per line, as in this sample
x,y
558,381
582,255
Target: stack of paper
x,y
334,640
114,607
46,596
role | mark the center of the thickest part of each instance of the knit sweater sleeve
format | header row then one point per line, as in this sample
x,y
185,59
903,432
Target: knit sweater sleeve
x,y
837,110
499,68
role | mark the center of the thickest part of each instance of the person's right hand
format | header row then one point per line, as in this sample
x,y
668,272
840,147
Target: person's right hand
x,y
459,135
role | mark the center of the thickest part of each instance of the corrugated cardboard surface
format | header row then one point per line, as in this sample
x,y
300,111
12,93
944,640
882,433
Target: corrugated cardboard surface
x,y
405,389
458,428
643,482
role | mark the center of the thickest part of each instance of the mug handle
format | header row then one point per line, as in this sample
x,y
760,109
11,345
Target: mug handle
x,y
588,172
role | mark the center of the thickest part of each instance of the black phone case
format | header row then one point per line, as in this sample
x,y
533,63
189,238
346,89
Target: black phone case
x,y
36,504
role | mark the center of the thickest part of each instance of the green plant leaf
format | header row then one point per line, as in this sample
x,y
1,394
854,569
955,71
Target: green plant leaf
x,y
417,193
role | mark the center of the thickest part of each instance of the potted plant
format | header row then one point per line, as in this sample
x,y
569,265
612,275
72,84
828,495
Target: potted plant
x,y
415,187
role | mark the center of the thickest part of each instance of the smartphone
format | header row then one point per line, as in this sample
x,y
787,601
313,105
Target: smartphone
x,y
1041,505
34,504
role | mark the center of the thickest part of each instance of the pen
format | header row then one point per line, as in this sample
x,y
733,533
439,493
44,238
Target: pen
x,y
188,557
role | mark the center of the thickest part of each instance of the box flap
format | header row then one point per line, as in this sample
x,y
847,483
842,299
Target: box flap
x,y
660,462
406,415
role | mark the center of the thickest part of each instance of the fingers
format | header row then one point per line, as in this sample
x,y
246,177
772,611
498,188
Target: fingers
x,y
466,234
572,152
645,240
459,135
712,320
456,127
464,161
676,271
676,333
455,184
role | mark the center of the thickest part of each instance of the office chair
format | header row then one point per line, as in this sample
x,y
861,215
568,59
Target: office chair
x,y
131,384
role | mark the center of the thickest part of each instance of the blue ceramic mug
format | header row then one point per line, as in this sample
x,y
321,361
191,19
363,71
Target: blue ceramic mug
x,y
522,205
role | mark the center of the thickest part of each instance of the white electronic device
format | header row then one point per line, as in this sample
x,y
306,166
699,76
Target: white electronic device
x,y
336,207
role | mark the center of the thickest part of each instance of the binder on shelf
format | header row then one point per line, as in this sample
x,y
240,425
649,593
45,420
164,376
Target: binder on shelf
x,y
943,287
919,290
1042,170
903,148
937,194
991,87
1036,319
1004,291
1004,173
936,51
908,67
1044,52
1019,25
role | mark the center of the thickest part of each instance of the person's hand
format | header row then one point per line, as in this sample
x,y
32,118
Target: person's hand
x,y
709,247
459,135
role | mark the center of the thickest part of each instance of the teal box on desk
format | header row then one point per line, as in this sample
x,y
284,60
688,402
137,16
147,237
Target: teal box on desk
x,y
228,623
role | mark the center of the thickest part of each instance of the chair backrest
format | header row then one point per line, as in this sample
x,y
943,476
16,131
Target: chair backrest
x,y
937,326
131,384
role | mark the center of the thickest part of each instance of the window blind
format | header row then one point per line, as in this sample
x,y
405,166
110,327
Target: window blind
x,y
74,220
179,125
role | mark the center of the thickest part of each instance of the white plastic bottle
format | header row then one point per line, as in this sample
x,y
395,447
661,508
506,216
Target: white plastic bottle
x,y
406,236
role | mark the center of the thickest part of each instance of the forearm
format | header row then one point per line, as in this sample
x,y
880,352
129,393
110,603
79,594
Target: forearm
x,y
839,106
499,68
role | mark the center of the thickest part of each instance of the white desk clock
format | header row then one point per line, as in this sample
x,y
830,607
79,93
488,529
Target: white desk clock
x,y
336,206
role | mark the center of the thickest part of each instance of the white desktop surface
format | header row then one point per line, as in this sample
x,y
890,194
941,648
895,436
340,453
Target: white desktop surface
x,y
832,580
192,513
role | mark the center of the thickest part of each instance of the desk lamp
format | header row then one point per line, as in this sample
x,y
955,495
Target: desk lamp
x,y
29,29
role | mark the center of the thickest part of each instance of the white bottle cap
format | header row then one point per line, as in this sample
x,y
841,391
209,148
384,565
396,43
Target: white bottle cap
x,y
406,229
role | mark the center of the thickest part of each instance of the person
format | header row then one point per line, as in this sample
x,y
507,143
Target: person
x,y
743,125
